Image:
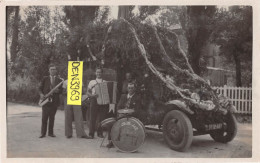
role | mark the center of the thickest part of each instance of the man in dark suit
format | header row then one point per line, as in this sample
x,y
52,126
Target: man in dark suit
x,y
132,100
50,108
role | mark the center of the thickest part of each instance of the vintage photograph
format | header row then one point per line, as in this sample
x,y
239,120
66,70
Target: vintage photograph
x,y
158,81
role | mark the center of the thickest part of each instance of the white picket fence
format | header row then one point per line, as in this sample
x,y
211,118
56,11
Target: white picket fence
x,y
241,97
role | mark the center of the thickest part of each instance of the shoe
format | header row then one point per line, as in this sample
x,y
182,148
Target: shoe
x,y
69,137
52,135
100,135
110,145
42,136
86,137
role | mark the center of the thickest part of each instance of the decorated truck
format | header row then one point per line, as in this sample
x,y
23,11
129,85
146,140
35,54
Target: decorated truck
x,y
181,103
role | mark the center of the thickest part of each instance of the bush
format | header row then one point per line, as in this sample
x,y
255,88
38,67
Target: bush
x,y
244,118
22,89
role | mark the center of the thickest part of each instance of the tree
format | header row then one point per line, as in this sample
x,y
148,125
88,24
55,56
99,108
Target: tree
x,y
35,53
194,21
169,16
78,19
123,12
14,29
80,15
197,23
103,14
145,11
233,33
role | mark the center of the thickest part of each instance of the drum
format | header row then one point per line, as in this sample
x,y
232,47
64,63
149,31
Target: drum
x,y
108,123
128,134
125,112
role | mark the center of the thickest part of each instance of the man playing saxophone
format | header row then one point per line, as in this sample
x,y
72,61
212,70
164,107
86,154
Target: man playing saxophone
x,y
49,109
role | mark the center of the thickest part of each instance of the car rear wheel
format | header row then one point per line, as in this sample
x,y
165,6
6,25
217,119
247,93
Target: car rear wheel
x,y
177,130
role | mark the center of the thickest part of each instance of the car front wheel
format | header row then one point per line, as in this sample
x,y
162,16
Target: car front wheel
x,y
229,134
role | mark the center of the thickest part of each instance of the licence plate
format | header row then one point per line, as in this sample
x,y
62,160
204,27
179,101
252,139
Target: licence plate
x,y
215,126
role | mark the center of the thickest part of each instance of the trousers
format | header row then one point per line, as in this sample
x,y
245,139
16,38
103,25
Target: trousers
x,y
48,113
97,114
70,111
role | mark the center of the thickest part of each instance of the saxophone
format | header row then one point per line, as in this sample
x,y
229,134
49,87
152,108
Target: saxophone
x,y
46,98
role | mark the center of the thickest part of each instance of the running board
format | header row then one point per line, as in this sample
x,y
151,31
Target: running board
x,y
153,129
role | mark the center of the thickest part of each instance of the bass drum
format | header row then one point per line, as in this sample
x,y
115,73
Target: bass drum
x,y
128,134
108,123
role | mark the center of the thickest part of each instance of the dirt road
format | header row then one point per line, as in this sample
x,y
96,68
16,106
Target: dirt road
x,y
23,130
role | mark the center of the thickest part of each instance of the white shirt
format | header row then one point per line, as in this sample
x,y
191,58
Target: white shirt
x,y
65,83
130,96
92,84
52,78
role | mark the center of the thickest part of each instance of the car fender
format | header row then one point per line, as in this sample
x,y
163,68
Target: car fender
x,y
232,108
181,105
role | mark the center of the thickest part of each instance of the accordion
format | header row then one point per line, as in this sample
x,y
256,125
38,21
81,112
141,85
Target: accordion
x,y
106,92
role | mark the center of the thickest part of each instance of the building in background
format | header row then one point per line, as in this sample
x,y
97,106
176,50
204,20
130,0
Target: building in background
x,y
216,72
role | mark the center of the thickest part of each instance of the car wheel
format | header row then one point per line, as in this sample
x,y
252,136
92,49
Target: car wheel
x,y
229,134
177,130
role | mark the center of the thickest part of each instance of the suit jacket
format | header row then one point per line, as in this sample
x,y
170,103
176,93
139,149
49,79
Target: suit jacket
x,y
135,103
45,87
124,87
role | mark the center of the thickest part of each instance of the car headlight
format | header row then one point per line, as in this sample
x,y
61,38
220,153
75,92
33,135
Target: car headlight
x,y
195,96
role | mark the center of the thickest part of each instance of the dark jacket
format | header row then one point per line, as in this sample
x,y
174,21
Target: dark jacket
x,y
124,87
45,87
135,103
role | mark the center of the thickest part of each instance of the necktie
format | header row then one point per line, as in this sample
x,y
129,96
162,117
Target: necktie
x,y
128,102
52,81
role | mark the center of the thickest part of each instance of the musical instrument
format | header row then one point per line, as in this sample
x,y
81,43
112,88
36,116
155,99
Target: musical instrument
x,y
46,97
108,123
125,112
106,92
128,134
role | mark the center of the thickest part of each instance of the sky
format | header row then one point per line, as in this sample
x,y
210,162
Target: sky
x,y
114,12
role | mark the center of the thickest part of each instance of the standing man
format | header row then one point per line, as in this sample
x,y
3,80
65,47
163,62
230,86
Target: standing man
x,y
71,110
97,112
50,108
128,79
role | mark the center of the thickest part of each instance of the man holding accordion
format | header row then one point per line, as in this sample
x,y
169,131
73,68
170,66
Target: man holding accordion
x,y
98,111
49,90
102,101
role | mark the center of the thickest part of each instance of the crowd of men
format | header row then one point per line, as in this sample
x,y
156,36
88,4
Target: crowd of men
x,y
128,99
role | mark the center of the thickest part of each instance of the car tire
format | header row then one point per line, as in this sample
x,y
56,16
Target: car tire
x,y
177,130
229,134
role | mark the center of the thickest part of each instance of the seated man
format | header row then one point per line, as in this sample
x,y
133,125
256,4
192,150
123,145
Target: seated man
x,y
132,100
